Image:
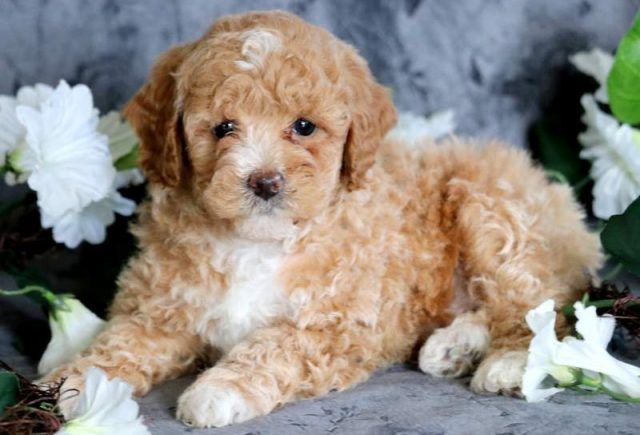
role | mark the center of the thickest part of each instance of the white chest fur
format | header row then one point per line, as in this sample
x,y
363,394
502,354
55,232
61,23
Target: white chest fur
x,y
252,298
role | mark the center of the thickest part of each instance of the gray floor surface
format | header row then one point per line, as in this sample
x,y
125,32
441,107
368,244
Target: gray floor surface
x,y
399,400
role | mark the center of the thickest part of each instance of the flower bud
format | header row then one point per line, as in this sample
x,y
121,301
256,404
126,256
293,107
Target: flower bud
x,y
73,328
566,376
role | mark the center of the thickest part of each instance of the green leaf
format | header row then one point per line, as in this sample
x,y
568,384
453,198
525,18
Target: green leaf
x,y
9,388
559,157
623,84
621,237
129,161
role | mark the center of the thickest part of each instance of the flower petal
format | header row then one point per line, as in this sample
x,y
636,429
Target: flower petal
x,y
540,365
128,177
589,356
122,139
541,316
105,406
414,130
615,160
71,332
594,329
69,161
90,223
11,131
33,96
531,382
596,63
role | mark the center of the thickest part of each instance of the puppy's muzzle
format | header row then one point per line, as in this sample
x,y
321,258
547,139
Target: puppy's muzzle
x,y
266,184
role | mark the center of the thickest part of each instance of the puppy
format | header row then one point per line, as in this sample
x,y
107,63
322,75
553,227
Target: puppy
x,y
294,248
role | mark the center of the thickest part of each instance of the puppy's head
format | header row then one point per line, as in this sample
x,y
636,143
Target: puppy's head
x,y
264,119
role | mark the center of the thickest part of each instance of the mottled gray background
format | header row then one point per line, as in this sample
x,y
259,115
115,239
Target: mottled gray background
x,y
499,64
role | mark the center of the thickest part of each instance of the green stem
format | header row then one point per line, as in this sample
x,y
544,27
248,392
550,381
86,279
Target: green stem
x,y
40,295
24,291
580,184
606,303
595,387
557,175
613,273
591,382
619,396
603,303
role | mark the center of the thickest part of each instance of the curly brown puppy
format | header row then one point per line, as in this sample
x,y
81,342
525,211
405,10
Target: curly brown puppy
x,y
286,235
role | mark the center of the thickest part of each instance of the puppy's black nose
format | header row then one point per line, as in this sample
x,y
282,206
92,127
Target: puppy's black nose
x,y
266,184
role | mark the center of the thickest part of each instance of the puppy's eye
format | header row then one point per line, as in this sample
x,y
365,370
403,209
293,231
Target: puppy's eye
x,y
304,127
224,128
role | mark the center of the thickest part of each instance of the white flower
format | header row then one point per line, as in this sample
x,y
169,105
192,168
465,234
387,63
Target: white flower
x,y
55,141
591,354
412,129
596,63
72,330
12,132
573,359
614,151
105,407
122,139
33,96
542,351
129,177
67,160
69,164
88,224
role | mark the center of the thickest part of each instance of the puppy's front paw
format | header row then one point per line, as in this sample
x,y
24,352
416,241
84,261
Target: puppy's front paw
x,y
501,373
453,351
208,404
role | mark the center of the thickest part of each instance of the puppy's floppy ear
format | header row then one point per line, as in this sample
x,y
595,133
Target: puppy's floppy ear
x,y
154,115
372,116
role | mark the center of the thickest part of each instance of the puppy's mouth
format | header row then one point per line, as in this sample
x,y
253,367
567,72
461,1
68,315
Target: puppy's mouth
x,y
266,228
261,206
267,220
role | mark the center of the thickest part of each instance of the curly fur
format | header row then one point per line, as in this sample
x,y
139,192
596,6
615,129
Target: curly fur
x,y
360,259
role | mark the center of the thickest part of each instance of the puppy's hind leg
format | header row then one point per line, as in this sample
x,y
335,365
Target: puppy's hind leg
x,y
454,351
521,244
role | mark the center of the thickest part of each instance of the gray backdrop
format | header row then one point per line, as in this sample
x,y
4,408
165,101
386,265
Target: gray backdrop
x,y
495,62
